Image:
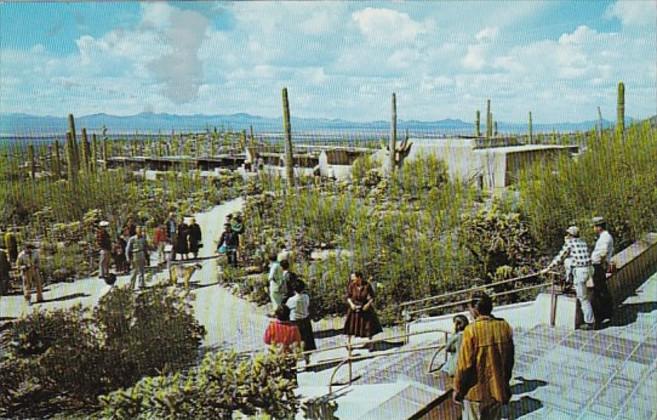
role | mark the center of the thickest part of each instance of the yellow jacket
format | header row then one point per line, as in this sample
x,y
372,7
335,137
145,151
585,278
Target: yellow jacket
x,y
485,361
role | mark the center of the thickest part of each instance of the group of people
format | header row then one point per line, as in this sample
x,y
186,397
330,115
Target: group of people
x,y
131,248
587,272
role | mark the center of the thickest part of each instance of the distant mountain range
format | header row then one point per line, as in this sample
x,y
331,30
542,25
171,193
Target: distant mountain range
x,y
33,125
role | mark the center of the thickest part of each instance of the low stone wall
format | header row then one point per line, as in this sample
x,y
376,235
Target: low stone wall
x,y
635,264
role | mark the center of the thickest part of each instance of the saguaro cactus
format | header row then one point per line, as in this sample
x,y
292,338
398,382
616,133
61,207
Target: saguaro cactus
x,y
94,153
287,128
600,126
85,151
495,129
620,109
70,160
57,163
478,124
489,120
74,143
393,134
531,130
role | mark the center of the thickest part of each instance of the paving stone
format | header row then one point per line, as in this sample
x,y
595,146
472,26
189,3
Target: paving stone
x,y
632,371
556,414
647,350
418,395
394,408
623,345
614,396
598,413
638,407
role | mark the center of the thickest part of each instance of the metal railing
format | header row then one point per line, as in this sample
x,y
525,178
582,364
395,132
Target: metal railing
x,y
426,304
350,357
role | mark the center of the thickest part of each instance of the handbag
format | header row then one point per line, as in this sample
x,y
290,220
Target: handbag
x,y
222,249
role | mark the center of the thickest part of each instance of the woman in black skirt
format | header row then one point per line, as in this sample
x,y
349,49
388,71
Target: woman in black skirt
x,y
299,314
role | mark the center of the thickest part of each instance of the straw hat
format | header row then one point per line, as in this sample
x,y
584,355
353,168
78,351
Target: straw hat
x,y
573,231
103,223
597,221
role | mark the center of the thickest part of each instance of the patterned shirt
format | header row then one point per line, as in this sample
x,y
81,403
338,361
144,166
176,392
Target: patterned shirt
x,y
576,250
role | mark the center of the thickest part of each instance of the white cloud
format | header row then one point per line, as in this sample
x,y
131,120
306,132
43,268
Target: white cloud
x,y
389,26
634,12
489,33
475,59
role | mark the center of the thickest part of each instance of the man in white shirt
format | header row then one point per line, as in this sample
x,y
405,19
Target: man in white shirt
x,y
28,263
603,305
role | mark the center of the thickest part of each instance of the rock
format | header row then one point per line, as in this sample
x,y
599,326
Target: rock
x,y
61,274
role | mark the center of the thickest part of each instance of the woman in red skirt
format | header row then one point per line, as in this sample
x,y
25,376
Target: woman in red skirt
x,y
361,317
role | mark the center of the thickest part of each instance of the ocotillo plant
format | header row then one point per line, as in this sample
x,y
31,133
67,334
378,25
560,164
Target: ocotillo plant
x,y
478,124
531,131
32,158
620,109
57,163
287,128
393,133
489,120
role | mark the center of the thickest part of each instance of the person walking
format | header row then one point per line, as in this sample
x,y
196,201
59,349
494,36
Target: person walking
x,y
28,264
118,254
104,243
12,246
171,227
277,286
289,278
361,320
603,304
136,253
182,247
194,237
485,363
453,345
160,240
299,305
281,331
5,268
228,243
576,252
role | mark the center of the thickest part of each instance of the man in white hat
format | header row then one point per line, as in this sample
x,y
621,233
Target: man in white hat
x,y
104,243
603,305
576,251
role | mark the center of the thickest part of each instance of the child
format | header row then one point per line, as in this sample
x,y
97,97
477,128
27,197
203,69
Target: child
x,y
453,345
299,314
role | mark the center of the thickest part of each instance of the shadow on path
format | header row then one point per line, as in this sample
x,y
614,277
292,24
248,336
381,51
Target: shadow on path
x,y
66,297
525,404
328,333
627,313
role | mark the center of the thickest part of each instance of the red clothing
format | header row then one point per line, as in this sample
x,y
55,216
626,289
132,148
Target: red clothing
x,y
282,332
159,236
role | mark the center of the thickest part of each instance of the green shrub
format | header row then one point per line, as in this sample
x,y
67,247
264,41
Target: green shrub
x,y
614,178
76,354
221,385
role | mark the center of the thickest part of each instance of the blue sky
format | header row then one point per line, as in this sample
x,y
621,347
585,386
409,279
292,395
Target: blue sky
x,y
561,60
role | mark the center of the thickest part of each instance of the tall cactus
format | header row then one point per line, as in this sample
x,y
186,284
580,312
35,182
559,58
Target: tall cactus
x,y
620,109
85,151
57,163
74,143
32,158
252,139
478,124
287,128
600,124
70,160
489,120
495,129
531,129
393,133
94,153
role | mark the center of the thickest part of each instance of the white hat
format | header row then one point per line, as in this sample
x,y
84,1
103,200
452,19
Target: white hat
x,y
597,221
103,223
573,230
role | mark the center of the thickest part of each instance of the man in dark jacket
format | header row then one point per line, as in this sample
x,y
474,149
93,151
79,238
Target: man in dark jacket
x,y
228,243
194,235
5,267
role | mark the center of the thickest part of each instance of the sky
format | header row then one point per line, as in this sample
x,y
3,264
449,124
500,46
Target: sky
x,y
560,60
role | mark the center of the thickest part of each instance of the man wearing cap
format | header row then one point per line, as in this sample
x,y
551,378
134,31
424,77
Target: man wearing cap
x,y
228,244
600,257
28,263
136,251
576,250
105,244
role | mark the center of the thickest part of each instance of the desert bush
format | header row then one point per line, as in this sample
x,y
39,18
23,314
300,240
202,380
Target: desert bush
x,y
614,177
76,354
221,385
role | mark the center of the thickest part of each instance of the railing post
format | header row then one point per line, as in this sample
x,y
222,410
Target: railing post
x,y
349,358
553,305
446,338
